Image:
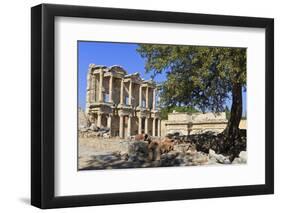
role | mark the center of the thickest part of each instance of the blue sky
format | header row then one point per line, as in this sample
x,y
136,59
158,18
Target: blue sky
x,y
108,54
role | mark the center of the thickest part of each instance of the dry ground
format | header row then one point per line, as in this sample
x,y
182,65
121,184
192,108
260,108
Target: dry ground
x,y
99,153
90,148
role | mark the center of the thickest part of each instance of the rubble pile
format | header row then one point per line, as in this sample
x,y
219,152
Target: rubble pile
x,y
212,141
183,155
200,149
94,131
136,156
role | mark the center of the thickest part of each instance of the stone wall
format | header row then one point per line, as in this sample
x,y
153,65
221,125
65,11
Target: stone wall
x,y
195,123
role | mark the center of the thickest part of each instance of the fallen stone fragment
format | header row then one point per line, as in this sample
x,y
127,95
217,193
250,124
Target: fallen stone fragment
x,y
218,157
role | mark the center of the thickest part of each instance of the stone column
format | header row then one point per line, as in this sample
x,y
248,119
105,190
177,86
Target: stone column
x,y
146,126
159,128
154,99
101,87
122,92
140,96
121,126
110,88
129,129
154,127
140,122
94,92
89,87
99,119
130,92
109,121
146,97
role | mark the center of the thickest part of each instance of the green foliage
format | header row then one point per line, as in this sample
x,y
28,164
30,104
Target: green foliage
x,y
197,77
165,111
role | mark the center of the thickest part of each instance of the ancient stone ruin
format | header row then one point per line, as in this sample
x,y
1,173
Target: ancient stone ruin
x,y
195,123
123,103
122,109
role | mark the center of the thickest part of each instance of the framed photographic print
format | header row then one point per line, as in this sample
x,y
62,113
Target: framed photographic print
x,y
140,106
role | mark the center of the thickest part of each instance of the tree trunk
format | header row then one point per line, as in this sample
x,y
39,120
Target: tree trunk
x,y
232,129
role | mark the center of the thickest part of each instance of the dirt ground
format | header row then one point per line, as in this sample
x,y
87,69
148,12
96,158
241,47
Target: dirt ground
x,y
98,153
89,148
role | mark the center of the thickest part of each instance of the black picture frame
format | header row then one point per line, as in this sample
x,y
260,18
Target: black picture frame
x,y
43,102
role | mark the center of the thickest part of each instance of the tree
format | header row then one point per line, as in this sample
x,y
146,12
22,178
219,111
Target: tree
x,y
201,77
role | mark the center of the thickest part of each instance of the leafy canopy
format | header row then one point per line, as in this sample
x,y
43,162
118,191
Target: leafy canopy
x,y
200,77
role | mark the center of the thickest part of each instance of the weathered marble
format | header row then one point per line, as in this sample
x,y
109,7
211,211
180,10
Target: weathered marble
x,y
123,102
